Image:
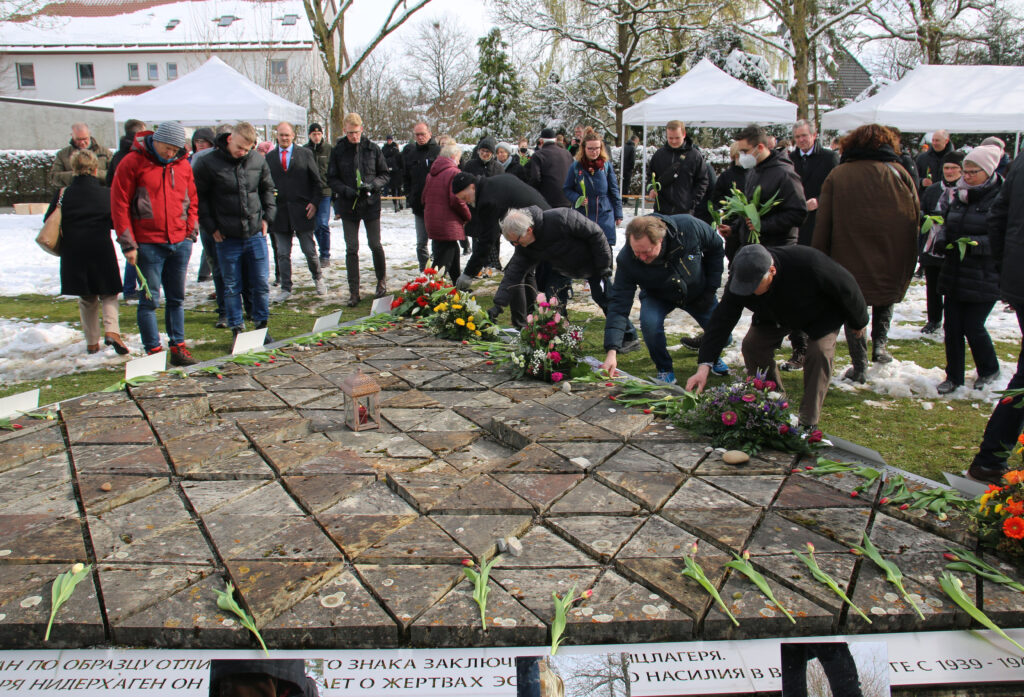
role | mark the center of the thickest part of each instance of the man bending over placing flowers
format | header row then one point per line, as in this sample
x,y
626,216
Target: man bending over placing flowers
x,y
574,246
788,289
676,260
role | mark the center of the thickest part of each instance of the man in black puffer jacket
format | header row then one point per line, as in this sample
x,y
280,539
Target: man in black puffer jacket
x,y
236,203
929,163
358,173
774,174
574,246
483,164
677,262
678,178
1006,225
417,159
547,169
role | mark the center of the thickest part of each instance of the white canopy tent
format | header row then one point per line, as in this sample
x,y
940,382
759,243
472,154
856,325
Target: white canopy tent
x,y
214,93
707,96
957,98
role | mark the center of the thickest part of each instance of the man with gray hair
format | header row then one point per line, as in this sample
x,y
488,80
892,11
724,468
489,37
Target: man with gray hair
x,y
929,163
61,173
574,246
809,292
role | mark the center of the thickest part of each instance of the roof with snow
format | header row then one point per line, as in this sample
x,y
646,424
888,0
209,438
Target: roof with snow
x,y
151,24
118,95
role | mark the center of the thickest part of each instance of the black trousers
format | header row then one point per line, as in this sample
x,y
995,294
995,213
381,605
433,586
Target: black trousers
x,y
966,320
836,660
1007,420
446,255
933,295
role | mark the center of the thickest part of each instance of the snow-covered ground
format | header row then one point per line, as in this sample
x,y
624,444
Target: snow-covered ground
x,y
32,350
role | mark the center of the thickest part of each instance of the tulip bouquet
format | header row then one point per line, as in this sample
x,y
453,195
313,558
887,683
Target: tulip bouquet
x,y
748,416
548,347
458,316
1000,517
415,296
737,204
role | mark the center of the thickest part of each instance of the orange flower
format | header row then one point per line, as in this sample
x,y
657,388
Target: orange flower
x,y
1014,527
1014,507
993,489
1014,476
1020,438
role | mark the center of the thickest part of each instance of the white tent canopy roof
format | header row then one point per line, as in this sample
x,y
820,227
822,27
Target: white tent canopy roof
x,y
957,98
708,96
213,93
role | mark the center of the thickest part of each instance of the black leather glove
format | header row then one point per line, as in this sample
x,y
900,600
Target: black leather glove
x,y
607,275
494,312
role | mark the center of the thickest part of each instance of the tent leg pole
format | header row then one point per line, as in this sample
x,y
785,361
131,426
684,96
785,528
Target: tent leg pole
x,y
1016,148
622,163
643,186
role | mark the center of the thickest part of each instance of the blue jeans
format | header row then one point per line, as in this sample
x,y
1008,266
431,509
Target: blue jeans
x,y
131,280
246,258
653,312
163,265
323,227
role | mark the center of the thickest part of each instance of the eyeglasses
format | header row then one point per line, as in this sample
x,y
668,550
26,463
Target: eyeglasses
x,y
353,133
420,135
974,172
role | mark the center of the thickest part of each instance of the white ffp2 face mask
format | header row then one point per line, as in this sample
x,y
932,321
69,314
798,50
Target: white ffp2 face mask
x,y
746,160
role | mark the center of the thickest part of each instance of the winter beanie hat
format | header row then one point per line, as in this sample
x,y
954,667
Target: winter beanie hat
x,y
985,156
170,132
954,158
547,134
461,181
507,147
998,142
315,127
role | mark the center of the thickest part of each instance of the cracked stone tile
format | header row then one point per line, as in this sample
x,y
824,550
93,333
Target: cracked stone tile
x,y
375,499
455,621
758,616
246,464
132,588
109,431
482,416
801,492
483,495
590,496
409,399
154,528
273,429
595,453
479,533
209,496
535,458
321,491
191,452
533,587
685,456
120,459
408,590
39,487
657,538
665,576
244,401
425,490
577,430
631,459
621,611
756,489
776,535
103,492
891,535
622,421
40,538
539,489
341,614
599,536
540,546
441,442
271,587
367,444
169,408
845,526
17,448
792,573
268,538
482,455
649,489
356,532
420,542
325,457
731,527
100,404
25,609
695,493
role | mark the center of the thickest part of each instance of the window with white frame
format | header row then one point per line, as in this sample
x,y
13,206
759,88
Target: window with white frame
x,y
278,71
133,71
26,76
172,71
152,71
86,75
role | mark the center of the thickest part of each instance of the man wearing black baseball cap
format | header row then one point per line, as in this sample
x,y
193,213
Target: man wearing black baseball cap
x,y
788,289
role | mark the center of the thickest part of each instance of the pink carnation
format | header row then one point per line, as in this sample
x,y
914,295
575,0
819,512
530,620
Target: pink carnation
x,y
748,398
555,356
557,377
758,384
770,385
729,418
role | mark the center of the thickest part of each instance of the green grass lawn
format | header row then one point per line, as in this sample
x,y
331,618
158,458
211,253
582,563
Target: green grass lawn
x,y
924,441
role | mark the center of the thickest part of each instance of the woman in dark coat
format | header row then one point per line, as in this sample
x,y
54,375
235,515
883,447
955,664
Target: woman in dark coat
x,y
969,280
931,259
88,262
507,158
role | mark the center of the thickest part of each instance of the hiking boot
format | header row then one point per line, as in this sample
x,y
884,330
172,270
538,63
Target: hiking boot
x,y
321,287
665,377
795,362
855,374
181,356
720,368
879,354
985,380
931,327
693,342
281,296
631,345
946,386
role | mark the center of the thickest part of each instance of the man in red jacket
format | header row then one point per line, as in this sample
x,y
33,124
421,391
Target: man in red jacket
x,y
154,205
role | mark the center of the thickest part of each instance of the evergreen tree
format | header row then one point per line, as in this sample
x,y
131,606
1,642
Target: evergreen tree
x,y
497,91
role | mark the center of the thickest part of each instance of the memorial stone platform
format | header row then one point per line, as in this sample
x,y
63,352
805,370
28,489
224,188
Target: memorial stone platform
x,y
342,539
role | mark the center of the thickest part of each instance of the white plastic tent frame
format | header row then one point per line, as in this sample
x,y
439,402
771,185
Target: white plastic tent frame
x,y
704,96
213,93
957,98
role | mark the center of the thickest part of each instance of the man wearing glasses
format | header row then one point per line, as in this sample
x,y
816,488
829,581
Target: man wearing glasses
x,y
417,158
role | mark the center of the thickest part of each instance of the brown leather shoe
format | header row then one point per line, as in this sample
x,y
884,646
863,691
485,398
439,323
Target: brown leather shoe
x,y
92,348
113,339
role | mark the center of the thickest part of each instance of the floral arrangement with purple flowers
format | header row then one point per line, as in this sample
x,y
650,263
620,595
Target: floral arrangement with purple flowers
x,y
749,416
548,347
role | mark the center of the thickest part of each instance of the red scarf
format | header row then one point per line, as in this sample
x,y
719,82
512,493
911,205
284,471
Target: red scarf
x,y
594,165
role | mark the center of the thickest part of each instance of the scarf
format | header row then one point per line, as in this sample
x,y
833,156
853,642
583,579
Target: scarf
x,y
593,166
963,189
882,154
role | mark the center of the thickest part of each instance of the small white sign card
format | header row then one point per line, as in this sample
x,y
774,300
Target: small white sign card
x,y
326,322
249,341
16,403
147,365
381,305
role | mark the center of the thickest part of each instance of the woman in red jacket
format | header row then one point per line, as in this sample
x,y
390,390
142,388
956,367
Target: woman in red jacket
x,y
445,215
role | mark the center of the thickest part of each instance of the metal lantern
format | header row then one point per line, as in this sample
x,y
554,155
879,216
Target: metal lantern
x,y
362,401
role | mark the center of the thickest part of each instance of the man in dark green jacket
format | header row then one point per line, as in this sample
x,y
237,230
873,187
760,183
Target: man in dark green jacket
x,y
322,151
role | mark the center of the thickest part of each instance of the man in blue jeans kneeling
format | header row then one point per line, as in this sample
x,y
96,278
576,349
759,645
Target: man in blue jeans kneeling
x,y
677,262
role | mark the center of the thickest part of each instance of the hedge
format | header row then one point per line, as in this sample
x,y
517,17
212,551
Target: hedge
x,y
23,175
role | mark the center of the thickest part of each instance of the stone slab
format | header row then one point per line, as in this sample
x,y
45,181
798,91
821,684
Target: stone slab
x,y
776,535
573,430
803,492
425,490
319,492
890,612
269,537
120,459
595,453
409,590
109,431
845,526
539,489
481,456
533,587
590,496
441,442
891,535
729,527
600,536
374,499
759,617
540,546
621,611
649,489
665,576
536,458
295,458
100,404
40,538
188,454
25,609
39,487
755,489
132,588
657,538
483,495
479,533
167,387
791,572
455,621
356,532
166,409
623,422
208,496
271,587
103,492
244,401
685,456
422,541
18,448
695,493
632,459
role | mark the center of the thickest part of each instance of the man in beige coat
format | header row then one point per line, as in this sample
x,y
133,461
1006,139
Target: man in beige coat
x,y
61,173
868,222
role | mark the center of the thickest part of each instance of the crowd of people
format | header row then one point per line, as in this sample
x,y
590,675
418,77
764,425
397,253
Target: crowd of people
x,y
836,249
